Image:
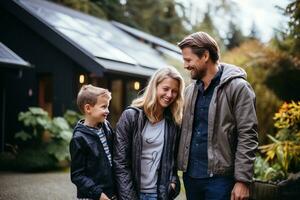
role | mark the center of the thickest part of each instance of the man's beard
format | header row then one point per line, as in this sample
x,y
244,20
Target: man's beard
x,y
198,75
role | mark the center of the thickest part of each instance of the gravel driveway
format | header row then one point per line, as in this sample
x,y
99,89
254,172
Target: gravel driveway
x,y
38,186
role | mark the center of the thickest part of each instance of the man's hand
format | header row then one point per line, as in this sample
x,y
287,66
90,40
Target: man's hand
x,y
173,186
240,191
103,197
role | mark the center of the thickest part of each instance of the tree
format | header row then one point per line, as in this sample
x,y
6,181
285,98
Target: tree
x,y
235,36
254,32
157,17
86,6
293,11
284,79
207,25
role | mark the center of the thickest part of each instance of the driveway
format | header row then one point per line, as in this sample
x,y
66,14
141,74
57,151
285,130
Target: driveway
x,y
38,186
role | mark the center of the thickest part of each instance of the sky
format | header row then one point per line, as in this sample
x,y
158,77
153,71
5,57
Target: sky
x,y
262,12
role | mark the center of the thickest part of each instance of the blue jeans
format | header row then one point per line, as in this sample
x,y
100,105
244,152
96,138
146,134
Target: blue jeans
x,y
215,188
148,196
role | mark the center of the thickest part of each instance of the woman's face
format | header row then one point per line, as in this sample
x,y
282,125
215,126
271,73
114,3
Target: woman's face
x,y
167,92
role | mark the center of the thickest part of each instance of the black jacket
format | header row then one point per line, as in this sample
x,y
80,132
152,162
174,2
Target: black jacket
x,y
90,168
127,156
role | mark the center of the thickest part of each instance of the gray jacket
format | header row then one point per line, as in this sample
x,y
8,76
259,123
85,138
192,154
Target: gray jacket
x,y
232,126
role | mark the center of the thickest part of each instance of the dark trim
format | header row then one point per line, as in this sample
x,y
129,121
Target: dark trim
x,y
14,65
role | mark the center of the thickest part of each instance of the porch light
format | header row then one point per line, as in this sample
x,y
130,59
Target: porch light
x,y
81,79
136,85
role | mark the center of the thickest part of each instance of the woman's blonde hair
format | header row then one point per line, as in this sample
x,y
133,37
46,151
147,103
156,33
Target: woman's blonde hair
x,y
148,101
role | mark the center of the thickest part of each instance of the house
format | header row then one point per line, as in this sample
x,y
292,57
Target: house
x,y
67,49
11,67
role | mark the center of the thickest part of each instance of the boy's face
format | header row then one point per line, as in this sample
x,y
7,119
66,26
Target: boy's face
x,y
99,111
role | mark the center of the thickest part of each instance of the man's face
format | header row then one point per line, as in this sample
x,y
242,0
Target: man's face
x,y
197,66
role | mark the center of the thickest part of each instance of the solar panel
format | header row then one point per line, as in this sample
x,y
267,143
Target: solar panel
x,y
98,37
147,36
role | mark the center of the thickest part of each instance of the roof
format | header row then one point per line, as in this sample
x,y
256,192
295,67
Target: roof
x,y
93,43
147,37
10,59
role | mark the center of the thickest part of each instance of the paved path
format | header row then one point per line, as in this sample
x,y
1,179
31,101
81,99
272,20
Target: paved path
x,y
38,186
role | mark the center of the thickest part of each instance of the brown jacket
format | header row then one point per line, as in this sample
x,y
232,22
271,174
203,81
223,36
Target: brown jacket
x,y
232,126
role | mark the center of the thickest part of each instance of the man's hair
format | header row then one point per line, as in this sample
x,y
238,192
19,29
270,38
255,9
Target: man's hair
x,y
89,94
200,42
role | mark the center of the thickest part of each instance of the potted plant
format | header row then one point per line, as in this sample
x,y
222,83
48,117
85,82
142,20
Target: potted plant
x,y
277,168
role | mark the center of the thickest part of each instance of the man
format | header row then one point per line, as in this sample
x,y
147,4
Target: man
x,y
219,128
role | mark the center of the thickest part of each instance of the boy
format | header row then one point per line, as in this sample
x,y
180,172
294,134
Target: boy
x,y
91,146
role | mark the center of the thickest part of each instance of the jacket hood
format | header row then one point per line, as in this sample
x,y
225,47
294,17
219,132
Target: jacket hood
x,y
82,128
231,72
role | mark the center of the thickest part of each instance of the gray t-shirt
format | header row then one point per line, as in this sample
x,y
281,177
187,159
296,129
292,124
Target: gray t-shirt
x,y
153,142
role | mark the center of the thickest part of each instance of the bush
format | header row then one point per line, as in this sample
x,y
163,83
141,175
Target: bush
x,y
34,160
258,60
43,144
282,156
7,160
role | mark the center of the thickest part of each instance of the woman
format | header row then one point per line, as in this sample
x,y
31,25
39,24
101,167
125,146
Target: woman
x,y
145,140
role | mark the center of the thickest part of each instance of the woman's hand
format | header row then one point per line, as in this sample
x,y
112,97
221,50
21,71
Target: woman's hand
x,y
104,197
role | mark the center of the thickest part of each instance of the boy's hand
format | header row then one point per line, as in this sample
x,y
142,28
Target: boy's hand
x,y
103,197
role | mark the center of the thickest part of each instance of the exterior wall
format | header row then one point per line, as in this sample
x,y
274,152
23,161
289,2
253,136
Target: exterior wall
x,y
22,88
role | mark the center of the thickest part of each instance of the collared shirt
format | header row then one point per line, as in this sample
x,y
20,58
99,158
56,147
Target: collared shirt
x,y
197,167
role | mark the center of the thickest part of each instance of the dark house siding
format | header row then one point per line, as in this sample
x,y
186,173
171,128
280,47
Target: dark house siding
x,y
47,60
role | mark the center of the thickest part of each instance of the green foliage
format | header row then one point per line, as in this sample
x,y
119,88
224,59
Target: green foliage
x,y
44,142
293,11
34,117
7,160
86,6
284,79
263,170
258,60
282,156
34,159
72,117
157,17
60,150
22,135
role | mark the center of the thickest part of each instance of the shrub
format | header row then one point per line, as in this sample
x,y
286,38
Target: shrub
x,y
282,156
43,144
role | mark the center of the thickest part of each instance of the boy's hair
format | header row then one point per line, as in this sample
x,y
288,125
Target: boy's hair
x,y
88,94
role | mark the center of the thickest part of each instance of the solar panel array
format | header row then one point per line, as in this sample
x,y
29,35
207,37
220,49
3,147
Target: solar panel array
x,y
98,37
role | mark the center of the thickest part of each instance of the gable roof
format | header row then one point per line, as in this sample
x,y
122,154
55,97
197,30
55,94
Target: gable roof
x,y
10,59
93,43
